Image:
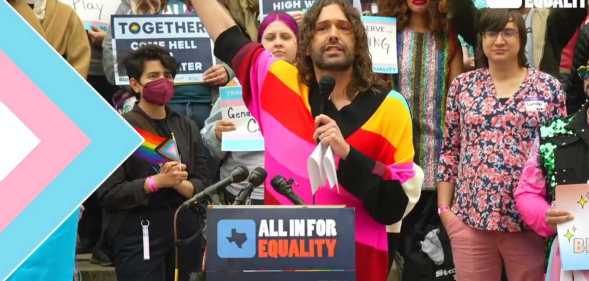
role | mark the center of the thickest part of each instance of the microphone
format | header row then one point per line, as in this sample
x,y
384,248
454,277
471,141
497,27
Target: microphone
x,y
257,177
284,187
326,85
238,174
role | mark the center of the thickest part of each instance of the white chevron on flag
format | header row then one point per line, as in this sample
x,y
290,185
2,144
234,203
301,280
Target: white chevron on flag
x,y
16,143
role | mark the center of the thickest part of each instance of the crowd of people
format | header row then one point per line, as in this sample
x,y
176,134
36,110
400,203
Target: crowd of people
x,y
485,117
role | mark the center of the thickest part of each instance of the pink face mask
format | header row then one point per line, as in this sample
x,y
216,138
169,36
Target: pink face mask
x,y
159,91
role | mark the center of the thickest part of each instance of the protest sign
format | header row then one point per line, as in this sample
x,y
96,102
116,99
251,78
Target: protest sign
x,y
184,36
94,12
247,135
573,236
268,6
382,43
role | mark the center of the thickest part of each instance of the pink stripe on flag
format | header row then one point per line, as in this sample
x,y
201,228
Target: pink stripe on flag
x,y
225,103
60,141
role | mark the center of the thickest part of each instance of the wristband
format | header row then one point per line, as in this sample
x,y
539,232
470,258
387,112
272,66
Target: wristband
x,y
443,209
151,185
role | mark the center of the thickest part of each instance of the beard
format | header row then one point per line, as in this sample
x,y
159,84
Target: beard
x,y
340,63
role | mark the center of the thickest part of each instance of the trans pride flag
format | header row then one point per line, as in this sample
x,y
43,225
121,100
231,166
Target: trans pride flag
x,y
157,149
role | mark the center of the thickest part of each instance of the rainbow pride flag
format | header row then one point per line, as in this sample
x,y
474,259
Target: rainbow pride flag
x,y
157,149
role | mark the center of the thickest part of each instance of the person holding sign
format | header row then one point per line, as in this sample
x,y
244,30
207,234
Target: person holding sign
x,y
191,100
141,196
429,57
492,118
559,157
368,128
278,34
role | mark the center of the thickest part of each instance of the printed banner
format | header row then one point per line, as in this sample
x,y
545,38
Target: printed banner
x,y
283,243
247,135
268,6
573,236
94,12
184,36
382,43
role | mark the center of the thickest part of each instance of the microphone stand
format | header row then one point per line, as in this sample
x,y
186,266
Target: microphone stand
x,y
196,202
243,196
176,244
201,211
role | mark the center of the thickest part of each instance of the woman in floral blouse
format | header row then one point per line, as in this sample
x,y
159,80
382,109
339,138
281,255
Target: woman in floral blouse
x,y
492,118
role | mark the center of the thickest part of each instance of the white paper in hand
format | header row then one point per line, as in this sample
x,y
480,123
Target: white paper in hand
x,y
329,168
321,168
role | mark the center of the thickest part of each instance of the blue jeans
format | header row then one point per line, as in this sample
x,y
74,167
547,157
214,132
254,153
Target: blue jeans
x,y
197,112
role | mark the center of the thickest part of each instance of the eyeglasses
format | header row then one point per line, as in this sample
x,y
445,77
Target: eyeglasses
x,y
583,72
507,34
341,25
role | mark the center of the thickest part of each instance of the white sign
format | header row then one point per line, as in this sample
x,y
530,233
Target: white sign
x,y
247,135
573,236
94,12
382,43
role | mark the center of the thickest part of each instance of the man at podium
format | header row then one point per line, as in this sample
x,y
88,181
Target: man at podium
x,y
368,129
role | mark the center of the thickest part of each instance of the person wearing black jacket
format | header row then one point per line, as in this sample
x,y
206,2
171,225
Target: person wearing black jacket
x,y
561,26
140,198
573,85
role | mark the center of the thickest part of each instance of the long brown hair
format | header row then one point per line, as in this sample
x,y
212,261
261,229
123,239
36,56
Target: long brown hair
x,y
400,10
147,7
363,77
154,6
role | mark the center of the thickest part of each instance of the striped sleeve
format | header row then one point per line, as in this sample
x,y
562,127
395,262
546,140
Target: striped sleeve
x,y
250,62
380,170
403,169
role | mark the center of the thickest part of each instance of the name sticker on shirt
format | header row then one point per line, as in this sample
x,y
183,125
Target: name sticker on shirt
x,y
535,104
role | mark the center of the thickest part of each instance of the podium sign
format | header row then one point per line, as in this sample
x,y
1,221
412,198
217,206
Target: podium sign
x,y
286,243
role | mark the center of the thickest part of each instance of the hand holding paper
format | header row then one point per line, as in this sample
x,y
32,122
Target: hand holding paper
x,y
321,168
555,217
329,133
